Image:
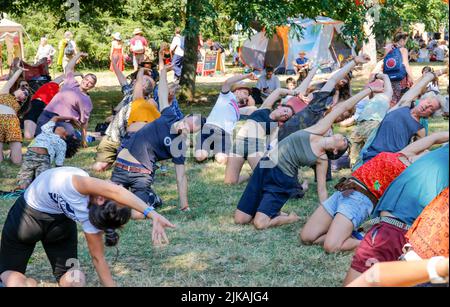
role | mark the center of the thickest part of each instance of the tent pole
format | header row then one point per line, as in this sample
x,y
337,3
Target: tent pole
x,y
22,46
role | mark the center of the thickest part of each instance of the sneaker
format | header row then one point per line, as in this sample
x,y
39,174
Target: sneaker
x,y
154,200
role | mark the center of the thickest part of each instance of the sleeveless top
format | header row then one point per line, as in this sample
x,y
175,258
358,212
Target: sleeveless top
x,y
142,111
294,152
394,133
378,173
263,118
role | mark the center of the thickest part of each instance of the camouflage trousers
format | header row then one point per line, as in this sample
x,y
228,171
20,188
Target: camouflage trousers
x,y
359,136
33,165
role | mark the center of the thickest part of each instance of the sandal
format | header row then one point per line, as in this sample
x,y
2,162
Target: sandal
x,y
186,209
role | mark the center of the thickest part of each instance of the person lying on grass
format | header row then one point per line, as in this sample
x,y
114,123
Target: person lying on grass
x,y
49,211
275,178
250,143
335,220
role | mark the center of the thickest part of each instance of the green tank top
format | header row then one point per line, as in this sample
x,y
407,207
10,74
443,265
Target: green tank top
x,y
294,152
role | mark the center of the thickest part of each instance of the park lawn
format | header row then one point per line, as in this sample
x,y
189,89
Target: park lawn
x,y
206,248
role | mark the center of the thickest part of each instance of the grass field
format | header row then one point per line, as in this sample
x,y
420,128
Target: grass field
x,y
206,248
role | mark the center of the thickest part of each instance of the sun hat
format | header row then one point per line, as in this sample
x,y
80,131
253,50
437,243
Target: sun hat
x,y
117,36
137,31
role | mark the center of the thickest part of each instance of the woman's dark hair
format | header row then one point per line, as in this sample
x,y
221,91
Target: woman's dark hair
x,y
72,144
108,218
332,156
399,36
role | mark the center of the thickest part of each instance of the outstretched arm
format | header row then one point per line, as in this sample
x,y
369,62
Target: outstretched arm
x,y
327,122
138,92
418,87
226,87
303,88
97,252
7,87
344,71
399,274
70,67
275,96
109,190
425,143
182,185
388,91
59,79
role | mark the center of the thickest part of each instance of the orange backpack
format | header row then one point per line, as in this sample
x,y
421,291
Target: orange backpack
x,y
429,235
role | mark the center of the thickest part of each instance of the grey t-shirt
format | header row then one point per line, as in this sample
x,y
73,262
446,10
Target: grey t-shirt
x,y
294,152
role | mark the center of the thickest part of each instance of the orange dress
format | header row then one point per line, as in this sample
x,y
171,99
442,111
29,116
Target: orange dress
x,y
118,52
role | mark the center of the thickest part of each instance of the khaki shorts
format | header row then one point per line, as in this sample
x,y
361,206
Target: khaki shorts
x,y
249,147
107,151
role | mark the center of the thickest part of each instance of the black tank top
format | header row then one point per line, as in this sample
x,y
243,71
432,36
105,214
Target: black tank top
x,y
263,118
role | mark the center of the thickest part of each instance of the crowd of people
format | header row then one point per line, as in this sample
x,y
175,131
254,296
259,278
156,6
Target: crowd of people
x,y
387,209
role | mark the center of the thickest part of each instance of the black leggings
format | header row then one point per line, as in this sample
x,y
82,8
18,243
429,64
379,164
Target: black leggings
x,y
24,227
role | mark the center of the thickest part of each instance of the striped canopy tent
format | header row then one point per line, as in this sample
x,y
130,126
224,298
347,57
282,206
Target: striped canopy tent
x,y
11,34
321,41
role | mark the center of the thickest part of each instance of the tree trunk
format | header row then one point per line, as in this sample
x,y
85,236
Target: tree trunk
x,y
191,32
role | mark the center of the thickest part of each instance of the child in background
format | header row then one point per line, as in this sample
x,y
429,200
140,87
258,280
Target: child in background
x,y
52,145
291,84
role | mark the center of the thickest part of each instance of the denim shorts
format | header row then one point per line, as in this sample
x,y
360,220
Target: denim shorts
x,y
356,207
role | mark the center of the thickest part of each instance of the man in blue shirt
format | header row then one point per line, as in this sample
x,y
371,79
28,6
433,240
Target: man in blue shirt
x,y
163,139
399,207
301,63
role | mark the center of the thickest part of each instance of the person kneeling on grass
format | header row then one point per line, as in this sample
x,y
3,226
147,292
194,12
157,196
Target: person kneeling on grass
x,y
337,219
275,178
398,208
52,145
163,139
48,212
250,143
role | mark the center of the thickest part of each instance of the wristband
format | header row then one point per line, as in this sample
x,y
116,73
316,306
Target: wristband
x,y
148,211
432,273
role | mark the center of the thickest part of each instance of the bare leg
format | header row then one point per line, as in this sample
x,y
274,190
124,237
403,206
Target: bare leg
x,y
73,278
16,279
339,235
242,218
233,169
29,129
16,152
262,221
316,227
351,276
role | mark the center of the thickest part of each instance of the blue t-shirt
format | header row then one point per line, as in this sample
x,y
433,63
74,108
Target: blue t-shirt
x,y
155,142
300,61
416,187
394,133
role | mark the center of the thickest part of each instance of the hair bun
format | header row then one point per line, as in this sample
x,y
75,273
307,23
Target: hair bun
x,y
111,237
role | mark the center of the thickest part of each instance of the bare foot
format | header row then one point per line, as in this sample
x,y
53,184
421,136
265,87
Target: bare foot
x,y
294,217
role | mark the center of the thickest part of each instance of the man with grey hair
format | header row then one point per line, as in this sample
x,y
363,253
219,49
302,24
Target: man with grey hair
x,y
402,122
